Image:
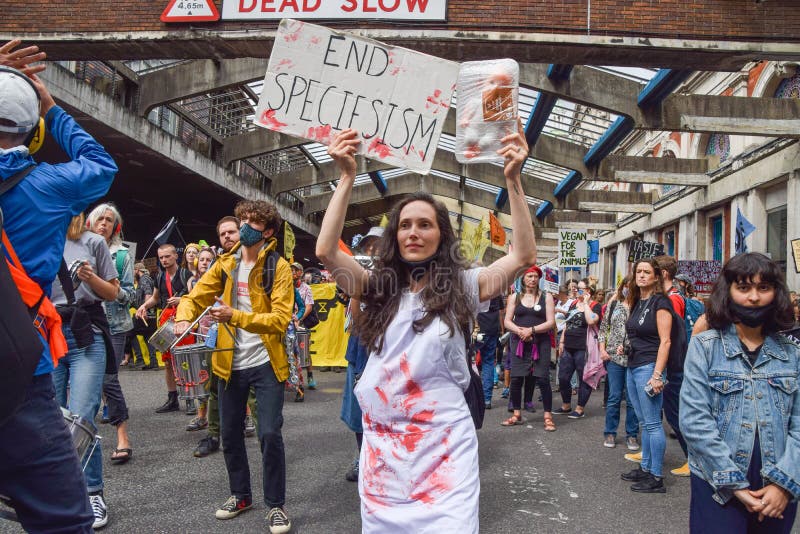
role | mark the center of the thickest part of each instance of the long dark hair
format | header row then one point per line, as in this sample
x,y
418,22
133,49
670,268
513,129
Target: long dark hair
x,y
443,296
744,268
634,293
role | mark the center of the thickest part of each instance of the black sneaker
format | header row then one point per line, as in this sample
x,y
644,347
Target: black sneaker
x,y
99,509
206,446
278,521
170,406
649,485
233,507
635,475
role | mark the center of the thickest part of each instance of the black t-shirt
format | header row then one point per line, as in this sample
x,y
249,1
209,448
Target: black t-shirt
x,y
642,330
752,355
489,322
575,327
179,285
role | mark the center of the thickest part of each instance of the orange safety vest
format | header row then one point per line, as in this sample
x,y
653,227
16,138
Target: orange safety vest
x,y
47,321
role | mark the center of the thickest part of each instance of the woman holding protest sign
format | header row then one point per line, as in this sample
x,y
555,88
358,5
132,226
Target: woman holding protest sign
x,y
419,461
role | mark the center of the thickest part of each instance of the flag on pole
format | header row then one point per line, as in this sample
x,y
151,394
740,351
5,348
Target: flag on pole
x,y
743,229
288,242
384,221
468,230
496,231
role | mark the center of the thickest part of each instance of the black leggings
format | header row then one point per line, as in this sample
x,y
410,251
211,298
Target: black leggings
x,y
530,381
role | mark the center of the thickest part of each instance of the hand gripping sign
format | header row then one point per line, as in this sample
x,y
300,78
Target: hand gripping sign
x,y
320,82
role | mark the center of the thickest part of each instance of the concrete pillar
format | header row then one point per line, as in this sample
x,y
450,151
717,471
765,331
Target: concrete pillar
x,y
792,227
756,213
687,237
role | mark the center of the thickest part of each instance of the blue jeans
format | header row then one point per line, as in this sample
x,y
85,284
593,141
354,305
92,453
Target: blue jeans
x,y
648,410
488,350
83,369
115,399
233,396
616,379
39,470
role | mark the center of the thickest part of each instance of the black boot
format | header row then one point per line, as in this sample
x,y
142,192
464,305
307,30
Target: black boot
x,y
635,475
171,405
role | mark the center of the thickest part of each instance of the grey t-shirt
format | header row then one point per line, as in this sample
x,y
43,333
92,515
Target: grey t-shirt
x,y
92,248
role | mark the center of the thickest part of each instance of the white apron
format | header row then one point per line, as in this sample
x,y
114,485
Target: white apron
x,y
419,458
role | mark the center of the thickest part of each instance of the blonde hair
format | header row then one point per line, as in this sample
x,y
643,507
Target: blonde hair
x,y
76,227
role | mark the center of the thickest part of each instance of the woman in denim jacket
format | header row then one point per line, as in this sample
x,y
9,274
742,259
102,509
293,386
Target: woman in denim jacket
x,y
739,410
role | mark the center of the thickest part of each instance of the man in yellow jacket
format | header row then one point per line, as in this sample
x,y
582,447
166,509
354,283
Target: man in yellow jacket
x,y
258,318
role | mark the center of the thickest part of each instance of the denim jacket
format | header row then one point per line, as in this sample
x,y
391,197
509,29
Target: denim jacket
x,y
118,311
725,400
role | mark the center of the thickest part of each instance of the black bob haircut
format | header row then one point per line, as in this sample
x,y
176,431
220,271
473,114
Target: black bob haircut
x,y
744,268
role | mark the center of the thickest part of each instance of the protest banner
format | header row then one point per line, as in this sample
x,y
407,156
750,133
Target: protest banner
x,y
796,254
572,248
704,273
428,10
644,249
550,280
328,338
320,82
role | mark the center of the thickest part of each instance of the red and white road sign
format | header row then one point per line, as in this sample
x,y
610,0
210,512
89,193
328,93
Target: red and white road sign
x,y
190,11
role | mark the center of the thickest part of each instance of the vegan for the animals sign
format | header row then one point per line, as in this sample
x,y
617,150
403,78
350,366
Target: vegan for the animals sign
x,y
572,248
320,82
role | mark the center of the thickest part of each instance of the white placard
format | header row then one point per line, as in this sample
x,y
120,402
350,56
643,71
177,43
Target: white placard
x,y
572,248
335,9
320,81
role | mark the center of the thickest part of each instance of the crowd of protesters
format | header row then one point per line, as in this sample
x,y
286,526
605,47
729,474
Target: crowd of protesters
x,y
723,374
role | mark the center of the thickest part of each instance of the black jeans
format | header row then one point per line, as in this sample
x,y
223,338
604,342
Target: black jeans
x,y
572,361
672,395
232,403
115,399
530,382
39,470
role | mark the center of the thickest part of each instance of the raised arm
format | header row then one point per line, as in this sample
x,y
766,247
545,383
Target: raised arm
x,y
350,276
498,275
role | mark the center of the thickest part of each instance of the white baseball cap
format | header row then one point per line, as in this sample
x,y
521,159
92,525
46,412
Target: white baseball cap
x,y
19,102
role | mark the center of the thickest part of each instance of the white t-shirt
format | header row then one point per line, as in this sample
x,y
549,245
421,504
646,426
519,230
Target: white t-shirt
x,y
250,350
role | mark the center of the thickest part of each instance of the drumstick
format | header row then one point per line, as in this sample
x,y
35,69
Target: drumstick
x,y
144,320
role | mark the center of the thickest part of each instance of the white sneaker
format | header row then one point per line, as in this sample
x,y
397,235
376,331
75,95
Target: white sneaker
x,y
249,426
99,510
278,521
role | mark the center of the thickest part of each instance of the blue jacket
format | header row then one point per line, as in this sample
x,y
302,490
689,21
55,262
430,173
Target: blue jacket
x,y
725,400
38,211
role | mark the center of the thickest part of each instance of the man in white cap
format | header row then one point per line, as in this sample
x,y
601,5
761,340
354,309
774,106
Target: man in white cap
x,y
40,473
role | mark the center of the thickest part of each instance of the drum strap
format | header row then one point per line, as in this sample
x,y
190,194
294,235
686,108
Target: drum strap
x,y
169,283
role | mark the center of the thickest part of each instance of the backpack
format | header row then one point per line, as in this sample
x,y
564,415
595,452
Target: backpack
x,y
694,309
679,343
120,256
267,274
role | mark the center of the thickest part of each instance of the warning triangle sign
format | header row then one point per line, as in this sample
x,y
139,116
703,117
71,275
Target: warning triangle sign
x,y
190,11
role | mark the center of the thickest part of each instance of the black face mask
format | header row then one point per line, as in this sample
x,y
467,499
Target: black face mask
x,y
417,269
752,317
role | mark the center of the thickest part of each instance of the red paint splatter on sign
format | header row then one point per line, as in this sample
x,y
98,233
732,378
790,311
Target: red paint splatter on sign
x,y
435,101
268,118
320,133
380,148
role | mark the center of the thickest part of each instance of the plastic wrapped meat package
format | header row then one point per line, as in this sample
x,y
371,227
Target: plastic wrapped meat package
x,y
486,109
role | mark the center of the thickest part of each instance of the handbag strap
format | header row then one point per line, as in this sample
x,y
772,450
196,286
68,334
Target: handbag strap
x,y
15,178
66,282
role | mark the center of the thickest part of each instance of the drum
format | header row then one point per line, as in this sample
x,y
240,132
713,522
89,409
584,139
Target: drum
x,y
164,337
304,346
191,364
84,435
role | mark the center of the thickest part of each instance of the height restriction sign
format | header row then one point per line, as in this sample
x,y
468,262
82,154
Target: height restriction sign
x,y
190,11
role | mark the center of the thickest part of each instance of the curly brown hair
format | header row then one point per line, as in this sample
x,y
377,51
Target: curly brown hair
x,y
443,296
259,211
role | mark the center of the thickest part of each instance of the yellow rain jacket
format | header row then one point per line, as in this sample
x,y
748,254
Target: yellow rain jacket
x,y
270,316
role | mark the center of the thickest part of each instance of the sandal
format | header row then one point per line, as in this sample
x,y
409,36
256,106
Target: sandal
x,y
128,454
549,426
513,421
